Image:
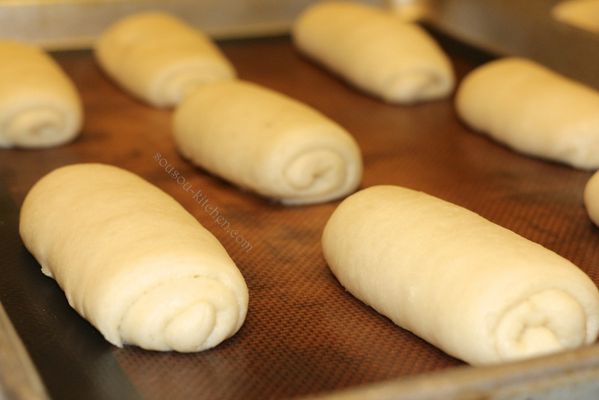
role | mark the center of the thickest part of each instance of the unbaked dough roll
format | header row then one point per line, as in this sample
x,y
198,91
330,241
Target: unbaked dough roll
x,y
131,260
591,198
266,142
159,58
533,110
476,290
376,51
39,105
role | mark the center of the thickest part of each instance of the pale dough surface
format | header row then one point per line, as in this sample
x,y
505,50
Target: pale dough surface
x,y
375,51
533,110
591,198
583,14
159,58
131,260
39,105
476,290
267,142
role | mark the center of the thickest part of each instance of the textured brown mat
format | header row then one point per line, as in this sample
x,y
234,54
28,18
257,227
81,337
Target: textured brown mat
x,y
303,334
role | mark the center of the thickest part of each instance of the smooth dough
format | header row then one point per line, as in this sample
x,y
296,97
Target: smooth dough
x,y
591,198
533,110
476,290
266,142
159,58
375,51
583,14
131,260
39,105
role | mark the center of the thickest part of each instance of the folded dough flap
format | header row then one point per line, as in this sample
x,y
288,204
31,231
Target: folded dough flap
x,y
414,69
171,84
191,310
312,164
187,314
525,305
39,122
39,105
545,322
418,84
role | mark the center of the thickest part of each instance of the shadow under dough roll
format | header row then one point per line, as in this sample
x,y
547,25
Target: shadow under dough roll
x,y
131,260
474,289
375,51
533,110
267,142
39,105
159,58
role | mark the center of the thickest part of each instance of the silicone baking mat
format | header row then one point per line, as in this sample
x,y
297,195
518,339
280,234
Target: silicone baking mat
x,y
304,334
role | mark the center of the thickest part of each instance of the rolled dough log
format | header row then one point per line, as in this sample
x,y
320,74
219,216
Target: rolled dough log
x,y
131,260
375,51
476,290
266,142
159,58
533,110
39,105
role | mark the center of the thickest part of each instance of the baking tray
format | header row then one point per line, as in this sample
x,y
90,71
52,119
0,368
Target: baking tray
x,y
75,24
304,335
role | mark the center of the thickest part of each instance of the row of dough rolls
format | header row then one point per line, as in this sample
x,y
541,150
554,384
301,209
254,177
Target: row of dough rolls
x,y
375,51
267,142
256,138
144,272
476,290
131,260
39,105
159,58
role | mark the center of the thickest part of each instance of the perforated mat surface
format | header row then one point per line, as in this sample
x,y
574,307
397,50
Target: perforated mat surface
x,y
304,334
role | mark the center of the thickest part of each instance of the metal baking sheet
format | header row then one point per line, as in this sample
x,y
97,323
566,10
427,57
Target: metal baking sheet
x,y
75,24
304,335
